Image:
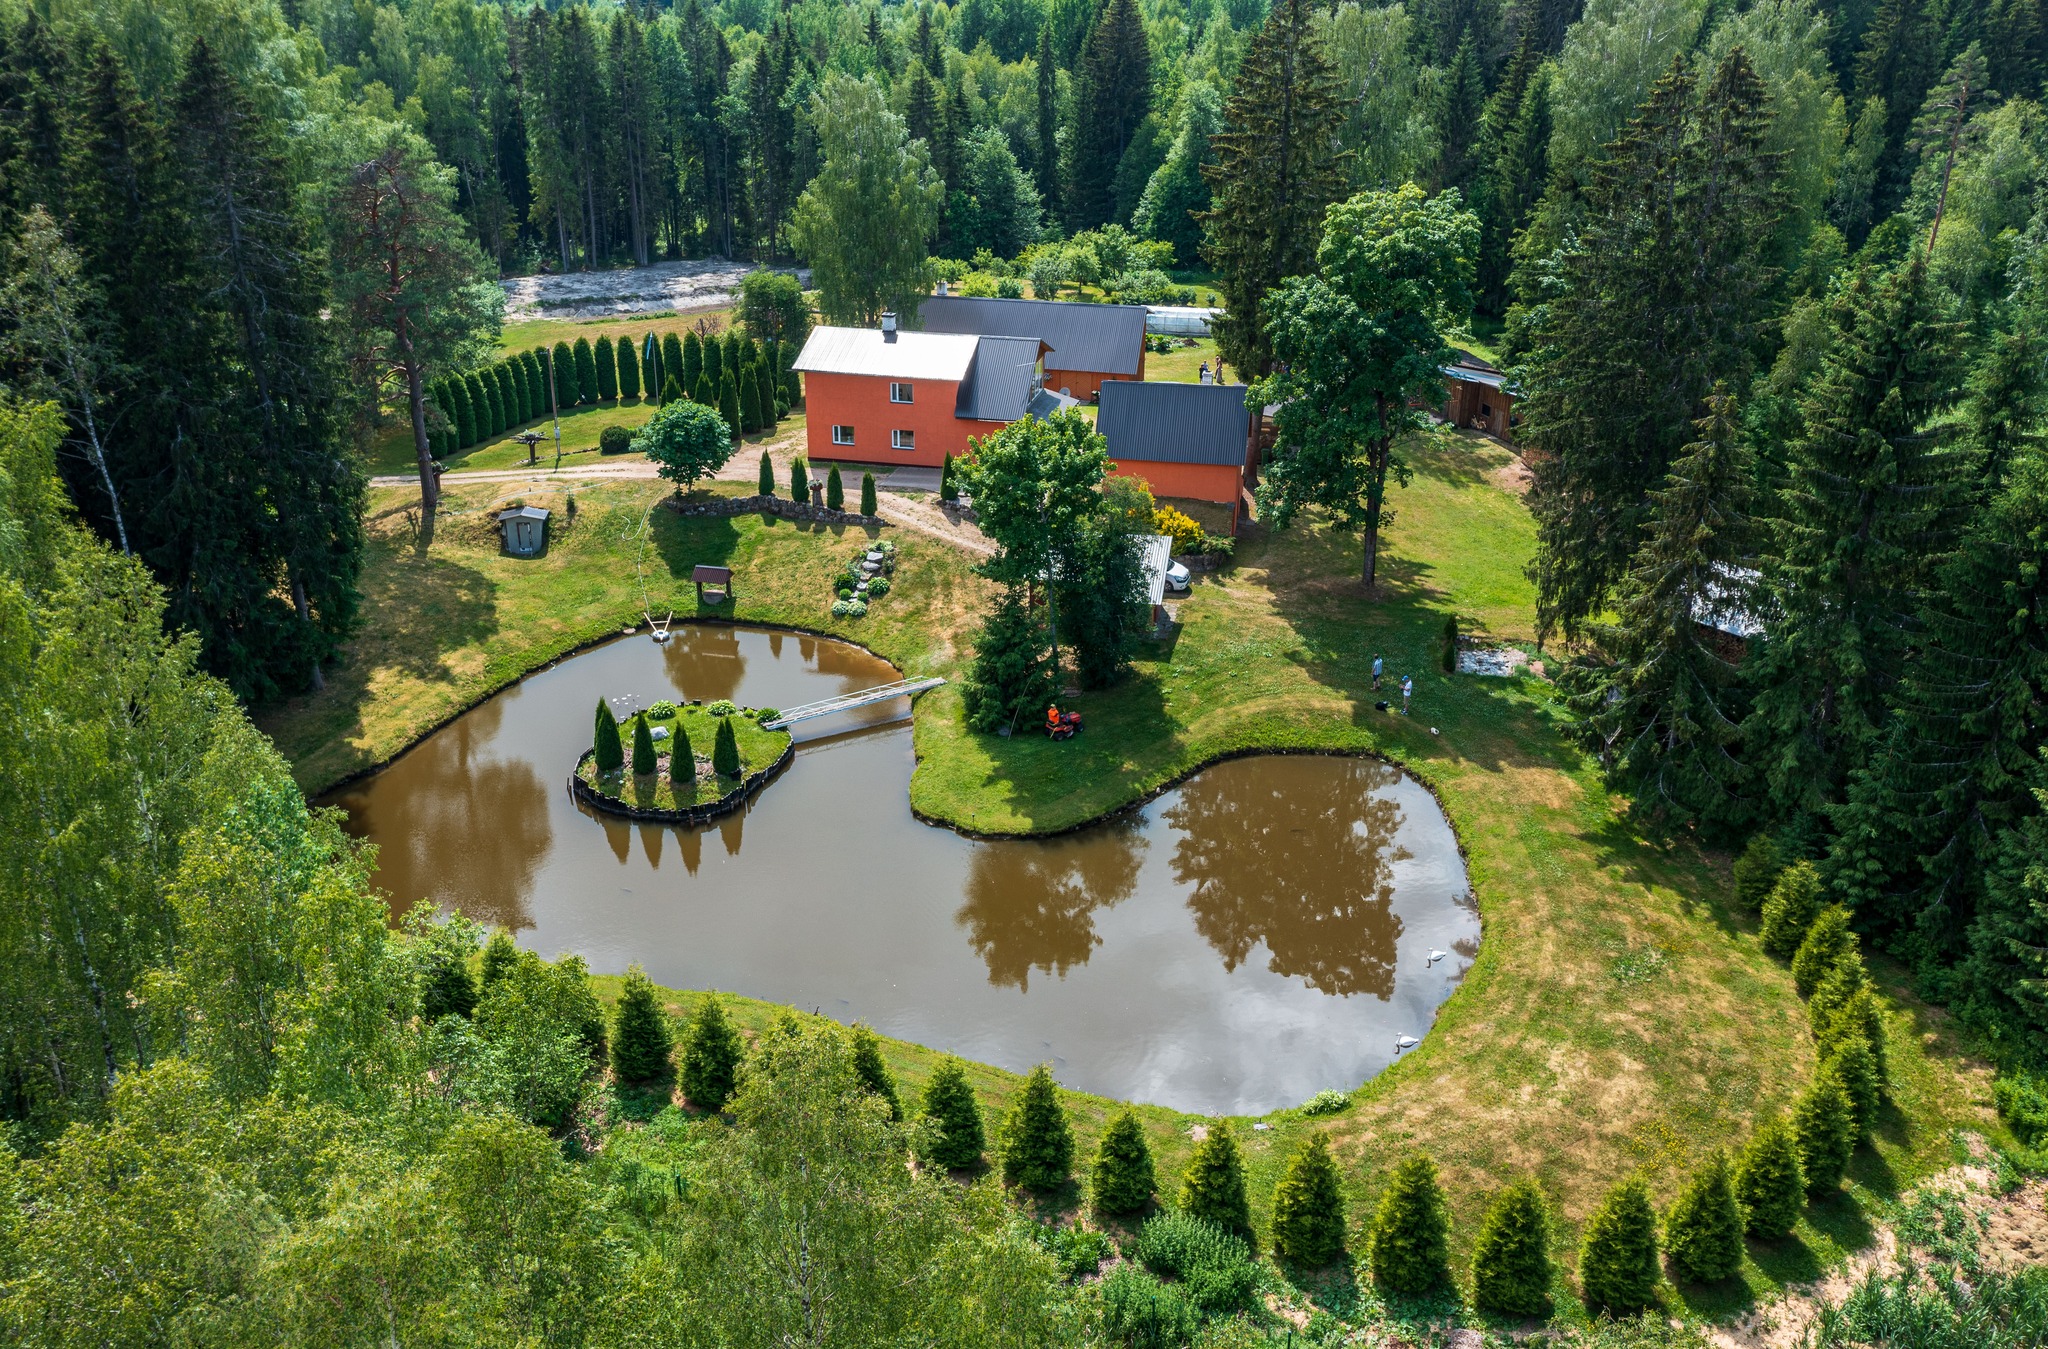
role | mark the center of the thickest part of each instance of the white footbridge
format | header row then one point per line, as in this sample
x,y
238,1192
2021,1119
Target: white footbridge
x,y
846,702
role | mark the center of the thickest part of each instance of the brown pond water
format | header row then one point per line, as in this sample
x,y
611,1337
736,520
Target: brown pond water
x,y
1252,937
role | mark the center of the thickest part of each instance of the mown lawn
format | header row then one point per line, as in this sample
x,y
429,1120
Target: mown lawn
x,y
659,790
522,335
1620,1015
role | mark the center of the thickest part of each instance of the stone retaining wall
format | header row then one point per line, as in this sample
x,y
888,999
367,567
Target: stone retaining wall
x,y
760,505
704,814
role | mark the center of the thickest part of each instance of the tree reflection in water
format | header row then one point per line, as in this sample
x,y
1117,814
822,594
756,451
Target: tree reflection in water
x,y
1310,874
1031,905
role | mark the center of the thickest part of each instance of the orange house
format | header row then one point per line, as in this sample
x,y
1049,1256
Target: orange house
x,y
1186,440
880,396
1085,344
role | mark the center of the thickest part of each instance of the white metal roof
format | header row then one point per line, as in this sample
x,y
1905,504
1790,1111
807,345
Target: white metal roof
x,y
1158,556
913,355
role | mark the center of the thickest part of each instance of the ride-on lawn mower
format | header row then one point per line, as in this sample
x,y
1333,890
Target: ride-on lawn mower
x,y
1062,725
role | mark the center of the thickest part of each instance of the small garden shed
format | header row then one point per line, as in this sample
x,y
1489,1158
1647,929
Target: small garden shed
x,y
526,530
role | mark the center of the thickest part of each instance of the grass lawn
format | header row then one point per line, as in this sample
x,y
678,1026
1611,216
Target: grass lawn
x,y
1183,365
392,449
523,335
657,791
1620,1016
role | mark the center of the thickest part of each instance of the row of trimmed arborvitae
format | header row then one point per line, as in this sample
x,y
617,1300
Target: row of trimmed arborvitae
x,y
609,751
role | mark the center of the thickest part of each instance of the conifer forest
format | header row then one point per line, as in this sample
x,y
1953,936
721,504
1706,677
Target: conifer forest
x,y
1768,283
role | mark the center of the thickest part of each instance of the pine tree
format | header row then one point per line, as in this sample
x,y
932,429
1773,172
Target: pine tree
x,y
1046,163
1113,92
835,490
1769,1183
1410,1243
643,747
872,1072
1825,943
868,506
799,480
501,954
948,1101
640,1041
1276,171
1795,901
725,751
1012,679
1871,499
1665,712
682,759
1212,1188
1703,1233
609,753
586,371
712,1051
1511,1268
1308,1206
1825,1127
1660,299
1038,1141
1460,105
568,393
1121,1180
1618,1251
766,485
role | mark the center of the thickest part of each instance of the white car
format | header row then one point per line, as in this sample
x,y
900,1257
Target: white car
x,y
1176,576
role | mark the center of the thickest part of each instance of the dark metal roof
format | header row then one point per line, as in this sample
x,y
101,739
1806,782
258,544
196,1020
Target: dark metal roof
x,y
997,387
1106,338
1174,423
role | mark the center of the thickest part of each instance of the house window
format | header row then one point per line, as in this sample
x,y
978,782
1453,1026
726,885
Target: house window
x,y
899,393
903,440
842,435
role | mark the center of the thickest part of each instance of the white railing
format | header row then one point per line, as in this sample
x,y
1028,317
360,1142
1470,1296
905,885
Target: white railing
x,y
845,702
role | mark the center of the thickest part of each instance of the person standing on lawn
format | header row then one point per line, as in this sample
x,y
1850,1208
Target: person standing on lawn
x,y
1407,689
1376,666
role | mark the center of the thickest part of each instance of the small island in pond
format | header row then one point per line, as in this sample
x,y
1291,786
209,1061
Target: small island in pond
x,y
714,782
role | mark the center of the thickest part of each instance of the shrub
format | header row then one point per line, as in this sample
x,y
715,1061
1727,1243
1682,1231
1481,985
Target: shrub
x,y
1410,1243
725,752
1703,1234
872,1071
640,1035
1618,1251
1078,1251
1450,653
441,952
1826,942
1212,1188
948,489
2022,1102
1511,1269
799,480
1121,1180
629,368
1140,1311
948,1101
1841,983
1219,545
835,490
614,440
682,758
1756,871
1825,1125
1308,1206
868,505
1328,1101
1178,525
878,587
1794,903
1215,1267
1851,1057
724,707
607,749
766,485
606,371
711,1057
586,371
662,710
643,747
1769,1183
1038,1142
501,953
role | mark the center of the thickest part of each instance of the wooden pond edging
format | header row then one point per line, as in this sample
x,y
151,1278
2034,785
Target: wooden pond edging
x,y
704,814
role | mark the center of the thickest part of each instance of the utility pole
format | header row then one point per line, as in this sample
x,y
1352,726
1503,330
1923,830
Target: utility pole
x,y
554,408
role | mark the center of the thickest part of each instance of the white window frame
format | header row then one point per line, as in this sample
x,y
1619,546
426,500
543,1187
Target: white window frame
x,y
901,439
900,392
838,438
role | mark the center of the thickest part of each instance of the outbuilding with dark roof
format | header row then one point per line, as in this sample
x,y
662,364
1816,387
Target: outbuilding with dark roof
x,y
1186,440
1086,344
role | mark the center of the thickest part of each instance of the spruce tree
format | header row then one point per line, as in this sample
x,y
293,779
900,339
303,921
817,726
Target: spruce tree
x,y
1112,94
1841,983
1012,678
1823,947
799,480
609,753
643,747
1410,1243
1212,1188
1863,1017
868,506
1825,1126
586,371
948,1101
712,1051
641,1040
1046,162
682,759
1038,1141
1121,1180
1769,1183
1664,710
1900,58
835,490
1703,1233
1873,486
1662,297
568,393
729,404
1308,1206
1511,1268
872,1071
1795,901
629,368
1757,870
1618,1251
446,986
1850,1057
501,954
604,371
1276,169
766,485
1461,98
725,751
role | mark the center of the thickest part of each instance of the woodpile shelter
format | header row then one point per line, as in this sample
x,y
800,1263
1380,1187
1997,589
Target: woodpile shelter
x,y
1185,440
1478,398
525,529
1085,344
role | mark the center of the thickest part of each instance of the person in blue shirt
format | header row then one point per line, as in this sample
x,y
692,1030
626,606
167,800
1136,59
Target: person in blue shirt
x,y
1376,663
